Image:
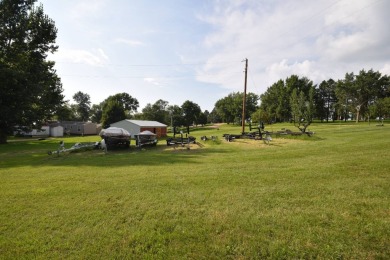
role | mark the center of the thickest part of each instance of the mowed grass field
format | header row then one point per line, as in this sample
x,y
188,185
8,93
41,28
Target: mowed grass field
x,y
325,196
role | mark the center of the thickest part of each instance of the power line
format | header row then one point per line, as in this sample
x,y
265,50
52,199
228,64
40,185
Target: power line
x,y
149,76
150,65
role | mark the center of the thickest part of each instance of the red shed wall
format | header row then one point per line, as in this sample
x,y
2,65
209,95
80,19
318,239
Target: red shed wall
x,y
159,131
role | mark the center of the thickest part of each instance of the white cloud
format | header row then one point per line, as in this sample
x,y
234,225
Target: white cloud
x,y
133,43
386,69
153,81
95,57
316,39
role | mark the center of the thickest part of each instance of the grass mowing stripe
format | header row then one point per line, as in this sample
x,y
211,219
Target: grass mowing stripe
x,y
325,196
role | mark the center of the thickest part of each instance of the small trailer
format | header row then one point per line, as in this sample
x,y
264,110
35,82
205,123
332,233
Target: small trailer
x,y
145,138
181,140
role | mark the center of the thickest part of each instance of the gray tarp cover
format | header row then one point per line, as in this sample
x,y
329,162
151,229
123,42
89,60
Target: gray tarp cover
x,y
114,131
146,133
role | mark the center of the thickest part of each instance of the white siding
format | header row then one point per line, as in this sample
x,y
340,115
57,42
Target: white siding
x,y
133,129
56,131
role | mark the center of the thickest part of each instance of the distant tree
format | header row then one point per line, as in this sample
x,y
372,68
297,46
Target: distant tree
x,y
83,105
326,99
275,103
30,90
113,112
176,115
356,93
202,120
223,108
157,112
276,100
230,108
96,112
261,116
214,117
191,112
381,108
65,112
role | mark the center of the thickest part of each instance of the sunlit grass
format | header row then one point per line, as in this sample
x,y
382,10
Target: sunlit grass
x,y
325,196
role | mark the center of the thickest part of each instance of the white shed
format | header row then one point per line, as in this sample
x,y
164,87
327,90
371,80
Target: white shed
x,y
136,126
56,131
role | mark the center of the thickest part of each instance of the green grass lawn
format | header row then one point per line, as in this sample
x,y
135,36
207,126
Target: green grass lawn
x,y
325,196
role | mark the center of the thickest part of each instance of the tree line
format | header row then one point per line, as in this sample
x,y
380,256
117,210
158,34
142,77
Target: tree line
x,y
296,99
356,97
123,106
32,93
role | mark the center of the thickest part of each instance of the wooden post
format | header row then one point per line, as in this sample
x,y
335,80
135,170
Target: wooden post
x,y
244,98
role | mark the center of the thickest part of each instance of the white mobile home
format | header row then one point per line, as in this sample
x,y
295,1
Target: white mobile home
x,y
44,131
79,128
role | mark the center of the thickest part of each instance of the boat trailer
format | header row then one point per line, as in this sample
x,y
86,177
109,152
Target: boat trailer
x,y
260,134
75,147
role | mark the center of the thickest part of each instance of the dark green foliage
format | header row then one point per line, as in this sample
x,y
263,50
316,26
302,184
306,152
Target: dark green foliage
x,y
128,103
325,99
356,93
30,90
157,112
116,108
96,113
276,100
359,96
113,112
191,113
176,115
230,108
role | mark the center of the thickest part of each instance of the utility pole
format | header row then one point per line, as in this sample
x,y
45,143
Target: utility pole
x,y
244,98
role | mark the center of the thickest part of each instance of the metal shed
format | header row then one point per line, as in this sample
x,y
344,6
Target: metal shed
x,y
56,130
137,126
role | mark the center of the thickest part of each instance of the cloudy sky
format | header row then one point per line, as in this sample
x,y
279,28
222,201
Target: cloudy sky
x,y
179,50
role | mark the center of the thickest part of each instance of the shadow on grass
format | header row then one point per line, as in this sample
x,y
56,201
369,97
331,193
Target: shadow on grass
x,y
35,154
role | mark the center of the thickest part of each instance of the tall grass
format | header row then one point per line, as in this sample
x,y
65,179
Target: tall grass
x,y
325,196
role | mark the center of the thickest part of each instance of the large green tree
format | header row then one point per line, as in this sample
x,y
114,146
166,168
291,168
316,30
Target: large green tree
x,y
117,107
302,108
191,113
30,89
229,108
128,103
275,102
113,112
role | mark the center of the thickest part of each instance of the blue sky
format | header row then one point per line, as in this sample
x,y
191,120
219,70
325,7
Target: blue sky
x,y
179,50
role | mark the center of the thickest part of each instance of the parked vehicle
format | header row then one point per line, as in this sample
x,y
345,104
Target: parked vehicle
x,y
145,138
115,136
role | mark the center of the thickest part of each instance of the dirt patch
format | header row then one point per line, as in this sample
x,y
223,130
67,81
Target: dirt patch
x,y
261,144
183,148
